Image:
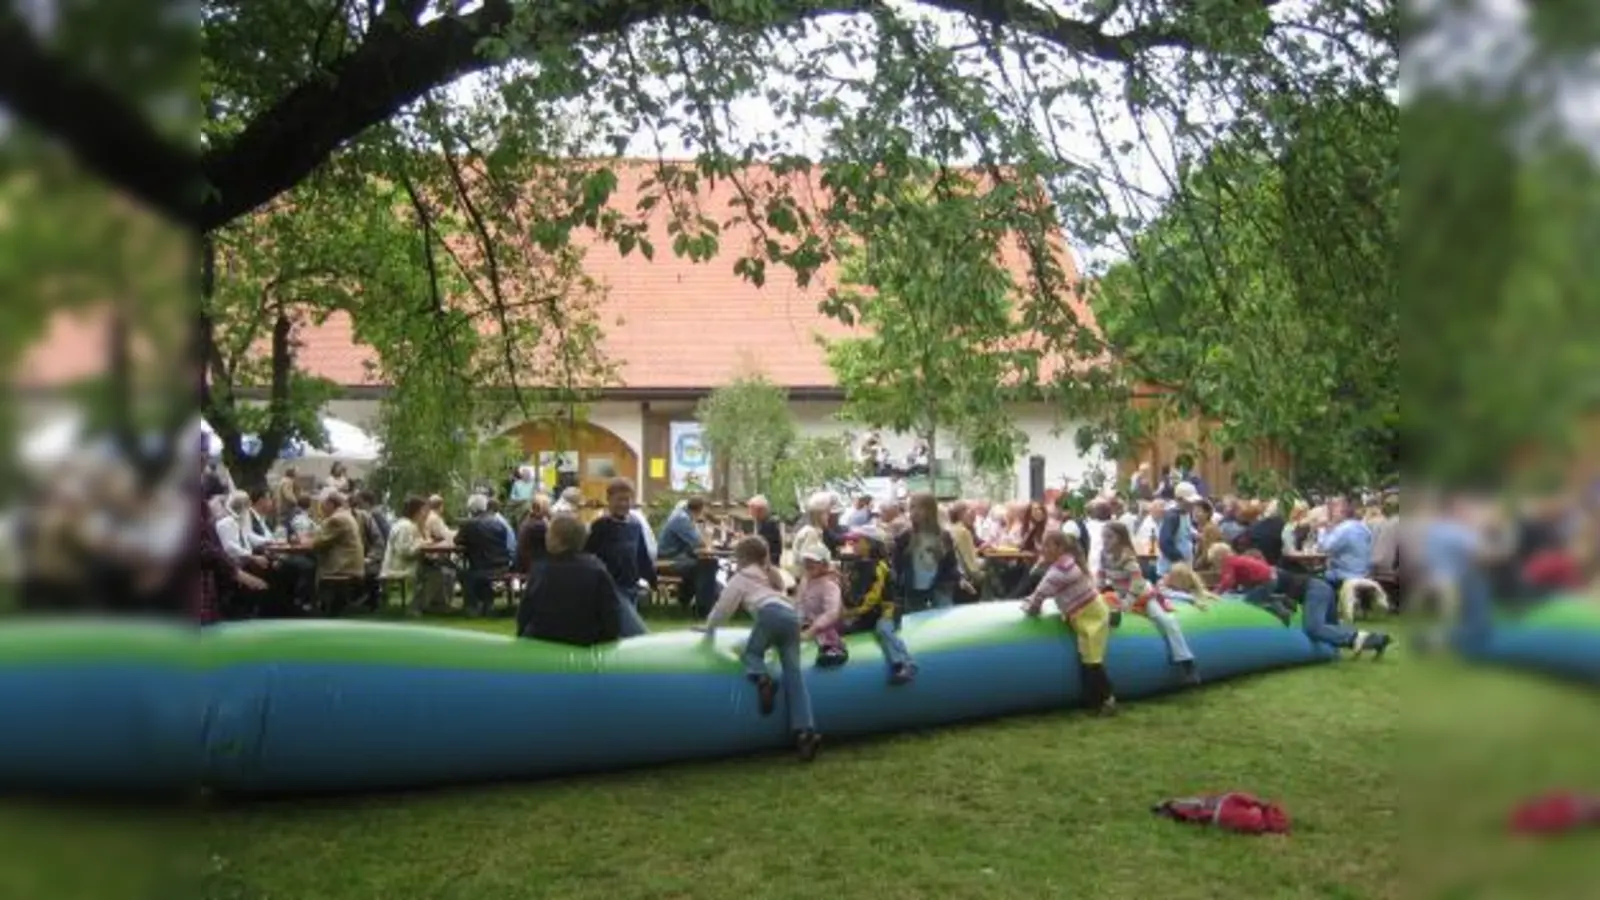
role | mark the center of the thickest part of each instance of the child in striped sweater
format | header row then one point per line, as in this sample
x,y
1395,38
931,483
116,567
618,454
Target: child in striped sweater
x,y
1126,588
1067,582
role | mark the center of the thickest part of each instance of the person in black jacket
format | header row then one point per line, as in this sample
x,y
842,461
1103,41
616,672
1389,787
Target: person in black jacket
x,y
486,547
617,540
570,598
767,528
1266,534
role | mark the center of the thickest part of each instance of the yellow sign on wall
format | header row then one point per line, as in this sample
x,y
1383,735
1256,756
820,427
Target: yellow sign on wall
x,y
658,467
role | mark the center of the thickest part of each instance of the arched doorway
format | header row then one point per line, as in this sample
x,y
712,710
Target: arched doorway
x,y
591,454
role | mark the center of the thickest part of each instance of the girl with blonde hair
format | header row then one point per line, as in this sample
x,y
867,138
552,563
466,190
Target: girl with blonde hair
x,y
757,587
1127,589
1067,582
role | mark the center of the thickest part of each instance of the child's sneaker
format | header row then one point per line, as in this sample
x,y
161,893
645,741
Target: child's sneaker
x,y
902,673
1378,642
1108,708
806,744
1191,675
767,691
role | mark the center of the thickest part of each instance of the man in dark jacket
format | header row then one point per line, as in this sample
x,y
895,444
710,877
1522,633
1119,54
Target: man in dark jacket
x,y
570,598
616,539
485,546
767,528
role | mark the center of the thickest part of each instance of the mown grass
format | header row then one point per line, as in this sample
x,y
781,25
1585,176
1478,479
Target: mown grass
x,y
1397,775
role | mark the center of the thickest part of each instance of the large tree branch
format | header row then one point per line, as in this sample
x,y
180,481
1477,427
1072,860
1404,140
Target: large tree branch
x,y
396,64
109,135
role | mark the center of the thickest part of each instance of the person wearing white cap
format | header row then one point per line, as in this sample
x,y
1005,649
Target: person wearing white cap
x,y
820,600
1176,538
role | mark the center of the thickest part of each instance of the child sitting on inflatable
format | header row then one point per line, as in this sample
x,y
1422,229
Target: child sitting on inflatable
x,y
1181,583
872,607
819,599
1315,596
1067,582
757,586
1124,588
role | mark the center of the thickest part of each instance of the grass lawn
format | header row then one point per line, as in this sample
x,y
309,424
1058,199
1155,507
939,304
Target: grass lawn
x,y
1397,776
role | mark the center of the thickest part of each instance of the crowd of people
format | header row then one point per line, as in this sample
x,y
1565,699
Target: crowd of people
x,y
859,565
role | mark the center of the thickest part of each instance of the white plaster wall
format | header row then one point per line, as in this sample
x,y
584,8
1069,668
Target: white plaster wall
x,y
626,421
1047,437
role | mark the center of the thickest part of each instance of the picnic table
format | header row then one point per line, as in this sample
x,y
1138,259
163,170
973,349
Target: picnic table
x,y
1311,561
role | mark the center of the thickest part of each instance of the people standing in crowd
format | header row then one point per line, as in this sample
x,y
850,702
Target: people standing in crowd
x,y
819,599
767,528
680,550
570,503
1141,484
1176,540
925,559
1066,582
1097,517
871,605
812,530
617,540
1386,540
571,598
1186,474
531,533
758,588
1036,519
1347,544
974,566
892,519
338,479
860,514
511,533
1266,533
486,553
1207,532
286,495
1124,579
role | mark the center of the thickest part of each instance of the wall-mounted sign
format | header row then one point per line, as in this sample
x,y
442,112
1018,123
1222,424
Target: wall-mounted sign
x,y
691,461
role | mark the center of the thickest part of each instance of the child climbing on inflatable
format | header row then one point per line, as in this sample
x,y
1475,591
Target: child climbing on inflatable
x,y
757,587
1249,573
1181,582
1124,588
872,607
1314,595
1067,582
820,601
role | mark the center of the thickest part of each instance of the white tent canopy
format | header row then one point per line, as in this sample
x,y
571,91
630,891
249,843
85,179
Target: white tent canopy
x,y
57,438
345,441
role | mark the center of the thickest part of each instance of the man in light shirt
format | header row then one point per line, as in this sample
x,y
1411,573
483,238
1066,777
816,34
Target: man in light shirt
x,y
1094,522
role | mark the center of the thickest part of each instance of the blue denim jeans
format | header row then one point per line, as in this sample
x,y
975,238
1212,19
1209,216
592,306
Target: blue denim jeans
x,y
778,625
477,591
1319,617
894,649
1166,623
628,613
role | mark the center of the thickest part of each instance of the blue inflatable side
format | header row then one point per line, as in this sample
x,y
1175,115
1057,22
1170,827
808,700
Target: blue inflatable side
x,y
276,707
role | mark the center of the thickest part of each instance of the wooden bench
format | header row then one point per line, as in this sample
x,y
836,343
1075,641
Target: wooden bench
x,y
336,593
386,582
666,590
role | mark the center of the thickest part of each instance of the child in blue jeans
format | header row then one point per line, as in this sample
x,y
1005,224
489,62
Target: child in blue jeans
x,y
871,605
757,587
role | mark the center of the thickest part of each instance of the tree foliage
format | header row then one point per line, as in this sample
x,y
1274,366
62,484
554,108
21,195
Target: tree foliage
x,y
1265,300
747,424
941,341
295,91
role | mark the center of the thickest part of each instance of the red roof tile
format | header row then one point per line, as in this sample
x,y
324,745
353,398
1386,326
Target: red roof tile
x,y
669,323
